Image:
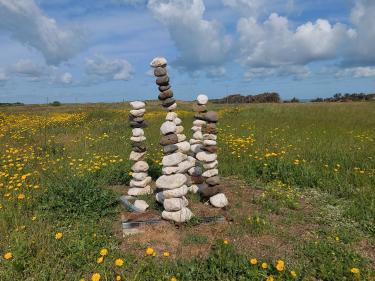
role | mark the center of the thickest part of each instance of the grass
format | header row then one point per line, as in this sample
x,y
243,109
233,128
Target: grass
x,y
310,167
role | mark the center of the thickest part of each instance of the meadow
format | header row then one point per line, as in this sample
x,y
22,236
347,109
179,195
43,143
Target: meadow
x,y
300,179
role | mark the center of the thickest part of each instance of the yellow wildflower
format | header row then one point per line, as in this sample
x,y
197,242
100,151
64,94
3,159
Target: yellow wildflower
x,y
8,255
21,196
173,279
58,235
264,265
166,254
355,270
119,262
293,274
226,241
103,252
100,259
150,251
270,278
95,277
280,265
118,278
253,261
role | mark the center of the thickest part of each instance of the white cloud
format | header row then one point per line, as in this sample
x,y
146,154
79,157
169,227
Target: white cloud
x,y
27,23
297,71
109,69
65,78
356,72
200,42
256,8
216,72
28,69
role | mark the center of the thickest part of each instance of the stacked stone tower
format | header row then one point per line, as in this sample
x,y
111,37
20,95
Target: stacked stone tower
x,y
139,185
171,185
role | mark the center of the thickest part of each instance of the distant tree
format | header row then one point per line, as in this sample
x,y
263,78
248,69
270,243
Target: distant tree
x,y
294,100
56,103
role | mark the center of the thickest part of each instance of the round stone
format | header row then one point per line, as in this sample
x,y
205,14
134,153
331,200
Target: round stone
x,y
183,147
202,99
164,88
173,159
210,165
163,80
175,204
196,148
219,200
179,129
136,156
171,181
142,183
180,137
138,132
138,112
168,127
211,116
177,121
171,116
138,139
209,142
169,139
139,176
208,190
140,166
171,193
158,62
165,95
210,173
168,102
213,180
198,135
199,123
180,216
135,191
137,104
199,108
160,71
206,157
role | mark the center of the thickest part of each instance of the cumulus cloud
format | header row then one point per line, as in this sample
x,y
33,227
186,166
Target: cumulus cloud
x,y
200,42
28,69
27,23
297,71
108,69
356,72
64,78
256,8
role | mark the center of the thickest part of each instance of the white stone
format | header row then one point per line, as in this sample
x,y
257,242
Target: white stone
x,y
196,148
202,99
168,127
171,116
194,141
184,166
171,193
137,104
142,183
138,139
138,112
180,216
209,142
177,121
138,132
193,188
179,129
181,137
196,129
169,170
158,61
141,205
198,135
210,173
175,204
183,147
140,166
206,157
173,159
171,181
172,107
199,122
219,200
139,176
135,191
136,156
192,159
210,137
195,171
210,165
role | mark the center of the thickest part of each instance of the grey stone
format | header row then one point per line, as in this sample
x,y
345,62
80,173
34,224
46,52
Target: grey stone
x,y
135,191
140,166
208,190
173,159
168,102
172,107
171,181
137,104
142,183
180,216
136,156
206,157
211,116
165,95
213,180
174,204
141,205
195,171
138,112
168,127
160,71
164,88
163,80
219,200
138,132
184,166
139,176
196,148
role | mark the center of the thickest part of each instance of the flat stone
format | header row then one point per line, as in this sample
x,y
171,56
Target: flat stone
x,y
196,129
138,139
177,121
162,81
136,156
209,142
170,148
175,204
208,190
194,141
140,166
198,135
169,170
210,165
199,108
172,107
196,148
180,216
171,193
173,159
142,183
211,116
213,180
139,176
180,137
138,112
206,157
141,205
137,104
171,181
210,130
135,119
135,191
183,146
169,139
158,62
184,166
179,129
210,173
134,124
138,132
210,148
139,149
199,123
171,116
165,95
168,102
192,159
210,136
167,127
219,200
160,71
195,171
202,99
164,88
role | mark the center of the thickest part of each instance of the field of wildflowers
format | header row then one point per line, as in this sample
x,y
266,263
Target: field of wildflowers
x,y
310,215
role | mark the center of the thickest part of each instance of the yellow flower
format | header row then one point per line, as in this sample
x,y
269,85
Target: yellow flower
x,y
173,279
58,235
355,270
253,261
33,218
8,255
293,274
150,251
166,254
280,265
103,252
100,259
270,278
118,278
264,265
82,279
95,277
21,196
119,262
226,241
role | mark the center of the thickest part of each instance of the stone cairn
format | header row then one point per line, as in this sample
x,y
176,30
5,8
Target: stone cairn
x,y
140,184
208,157
172,185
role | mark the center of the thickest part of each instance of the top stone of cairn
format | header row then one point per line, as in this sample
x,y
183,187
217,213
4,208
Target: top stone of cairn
x,y
158,62
137,104
202,99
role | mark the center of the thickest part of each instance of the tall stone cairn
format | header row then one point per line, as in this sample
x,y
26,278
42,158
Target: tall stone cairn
x,y
172,185
196,143
208,157
139,185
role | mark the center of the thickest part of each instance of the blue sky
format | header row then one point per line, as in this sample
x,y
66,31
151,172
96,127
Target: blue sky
x,y
99,50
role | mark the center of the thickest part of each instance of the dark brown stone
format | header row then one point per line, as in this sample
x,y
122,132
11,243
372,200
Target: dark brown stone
x,y
213,180
210,148
160,71
200,116
168,102
134,124
162,81
164,88
211,190
137,144
169,139
165,95
197,179
211,116
139,149
199,108
210,128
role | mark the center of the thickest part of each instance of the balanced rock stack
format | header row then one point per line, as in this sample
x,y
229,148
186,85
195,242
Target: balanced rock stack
x,y
140,184
172,185
208,157
196,142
